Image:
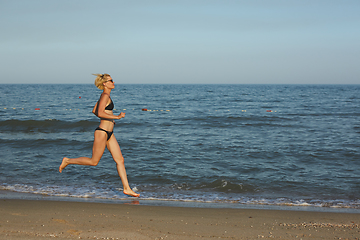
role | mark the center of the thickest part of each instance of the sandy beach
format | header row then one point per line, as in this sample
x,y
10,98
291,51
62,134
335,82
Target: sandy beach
x,y
29,219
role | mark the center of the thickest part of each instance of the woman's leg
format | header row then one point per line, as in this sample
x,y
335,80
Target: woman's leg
x,y
114,148
97,152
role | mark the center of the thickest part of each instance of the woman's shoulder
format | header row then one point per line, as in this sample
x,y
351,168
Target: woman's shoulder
x,y
106,95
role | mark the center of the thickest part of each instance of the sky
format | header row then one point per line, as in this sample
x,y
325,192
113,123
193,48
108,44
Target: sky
x,y
180,42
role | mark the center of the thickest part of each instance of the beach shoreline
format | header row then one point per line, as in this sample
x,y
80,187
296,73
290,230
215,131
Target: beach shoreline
x,y
45,219
8,194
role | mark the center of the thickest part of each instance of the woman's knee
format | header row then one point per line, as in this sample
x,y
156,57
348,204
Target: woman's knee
x,y
94,162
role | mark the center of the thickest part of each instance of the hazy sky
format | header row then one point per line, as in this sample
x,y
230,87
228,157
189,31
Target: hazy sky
x,y
170,41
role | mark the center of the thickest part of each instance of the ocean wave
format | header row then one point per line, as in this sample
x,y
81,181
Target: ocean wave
x,y
96,193
234,121
46,126
222,185
34,143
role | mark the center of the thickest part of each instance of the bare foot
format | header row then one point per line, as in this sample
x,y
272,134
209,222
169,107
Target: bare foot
x,y
63,164
131,193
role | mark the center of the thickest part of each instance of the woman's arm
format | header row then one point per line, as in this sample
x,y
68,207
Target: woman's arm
x,y
94,111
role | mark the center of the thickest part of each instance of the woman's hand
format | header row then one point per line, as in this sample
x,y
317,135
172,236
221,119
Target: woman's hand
x,y
121,115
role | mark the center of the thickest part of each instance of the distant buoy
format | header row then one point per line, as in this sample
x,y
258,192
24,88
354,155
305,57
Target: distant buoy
x,y
37,108
79,97
269,110
144,109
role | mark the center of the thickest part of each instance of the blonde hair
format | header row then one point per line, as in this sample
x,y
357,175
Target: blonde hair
x,y
100,79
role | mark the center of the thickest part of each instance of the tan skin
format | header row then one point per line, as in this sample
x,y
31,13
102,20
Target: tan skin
x,y
100,141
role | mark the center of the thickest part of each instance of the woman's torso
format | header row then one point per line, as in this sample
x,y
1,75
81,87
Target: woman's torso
x,y
108,124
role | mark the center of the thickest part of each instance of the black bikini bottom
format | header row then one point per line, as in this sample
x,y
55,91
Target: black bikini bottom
x,y
109,134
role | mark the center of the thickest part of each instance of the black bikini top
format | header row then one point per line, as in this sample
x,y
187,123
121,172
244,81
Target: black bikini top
x,y
110,106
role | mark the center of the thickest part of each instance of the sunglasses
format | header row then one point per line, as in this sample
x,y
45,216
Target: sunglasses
x,y
109,81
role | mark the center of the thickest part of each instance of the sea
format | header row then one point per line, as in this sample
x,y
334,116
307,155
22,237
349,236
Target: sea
x,y
234,146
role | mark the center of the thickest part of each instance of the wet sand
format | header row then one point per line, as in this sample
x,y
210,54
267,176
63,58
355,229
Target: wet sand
x,y
29,219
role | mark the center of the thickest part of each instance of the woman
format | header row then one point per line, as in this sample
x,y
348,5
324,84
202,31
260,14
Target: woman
x,y
103,136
